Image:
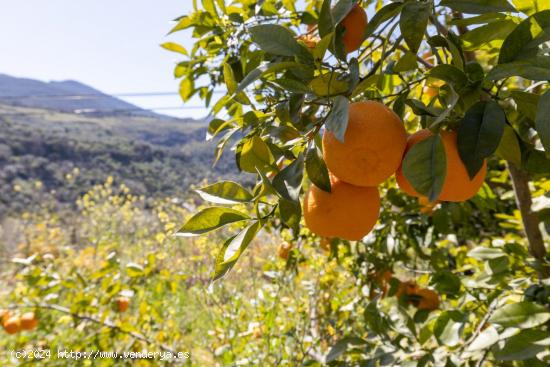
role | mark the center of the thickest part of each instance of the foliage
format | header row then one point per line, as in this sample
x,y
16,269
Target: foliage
x,y
284,87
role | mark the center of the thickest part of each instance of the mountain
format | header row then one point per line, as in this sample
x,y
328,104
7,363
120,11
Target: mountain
x,y
53,155
65,96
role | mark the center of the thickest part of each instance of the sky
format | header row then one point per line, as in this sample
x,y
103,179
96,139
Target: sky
x,y
111,45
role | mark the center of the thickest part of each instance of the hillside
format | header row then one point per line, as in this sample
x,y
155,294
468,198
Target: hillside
x,y
66,96
51,154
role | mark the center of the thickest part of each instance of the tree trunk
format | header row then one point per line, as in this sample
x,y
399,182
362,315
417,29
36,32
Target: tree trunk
x,y
520,181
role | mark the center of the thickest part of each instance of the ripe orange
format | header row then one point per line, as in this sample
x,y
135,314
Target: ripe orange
x,y
309,40
12,325
122,304
29,321
348,212
373,145
354,24
406,288
284,250
429,300
457,185
4,315
382,280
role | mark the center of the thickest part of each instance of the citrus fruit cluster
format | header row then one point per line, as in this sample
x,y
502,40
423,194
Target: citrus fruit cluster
x,y
13,324
373,149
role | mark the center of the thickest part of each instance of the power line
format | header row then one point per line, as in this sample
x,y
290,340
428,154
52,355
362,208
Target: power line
x,y
98,95
84,112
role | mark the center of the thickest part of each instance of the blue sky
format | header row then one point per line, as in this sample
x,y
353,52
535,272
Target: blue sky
x,y
112,45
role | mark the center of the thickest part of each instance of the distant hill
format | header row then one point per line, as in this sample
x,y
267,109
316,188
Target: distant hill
x,y
54,155
65,96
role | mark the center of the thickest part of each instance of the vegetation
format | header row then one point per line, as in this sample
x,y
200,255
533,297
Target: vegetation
x,y
55,157
324,99
355,245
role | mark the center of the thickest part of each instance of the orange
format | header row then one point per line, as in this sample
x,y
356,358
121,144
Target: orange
x,y
457,185
348,212
354,25
373,146
309,40
29,321
382,280
284,250
406,288
12,325
4,315
428,299
122,304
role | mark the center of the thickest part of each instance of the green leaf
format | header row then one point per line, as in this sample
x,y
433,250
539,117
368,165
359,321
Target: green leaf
x,y
448,328
530,7
522,43
288,182
225,192
276,39
525,345
341,9
210,7
290,213
479,134
233,248
478,6
186,89
255,153
523,315
337,120
326,22
425,167
450,74
385,13
535,162
316,169
526,103
542,122
174,47
328,84
537,68
406,63
509,148
484,35
486,253
342,347
485,339
478,19
210,219
321,48
134,270
183,23
446,282
419,108
229,78
413,23
266,69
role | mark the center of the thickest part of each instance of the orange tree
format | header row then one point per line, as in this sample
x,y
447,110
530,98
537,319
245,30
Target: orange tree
x,y
316,105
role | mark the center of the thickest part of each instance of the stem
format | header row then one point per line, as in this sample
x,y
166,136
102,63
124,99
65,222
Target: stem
x,y
520,182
